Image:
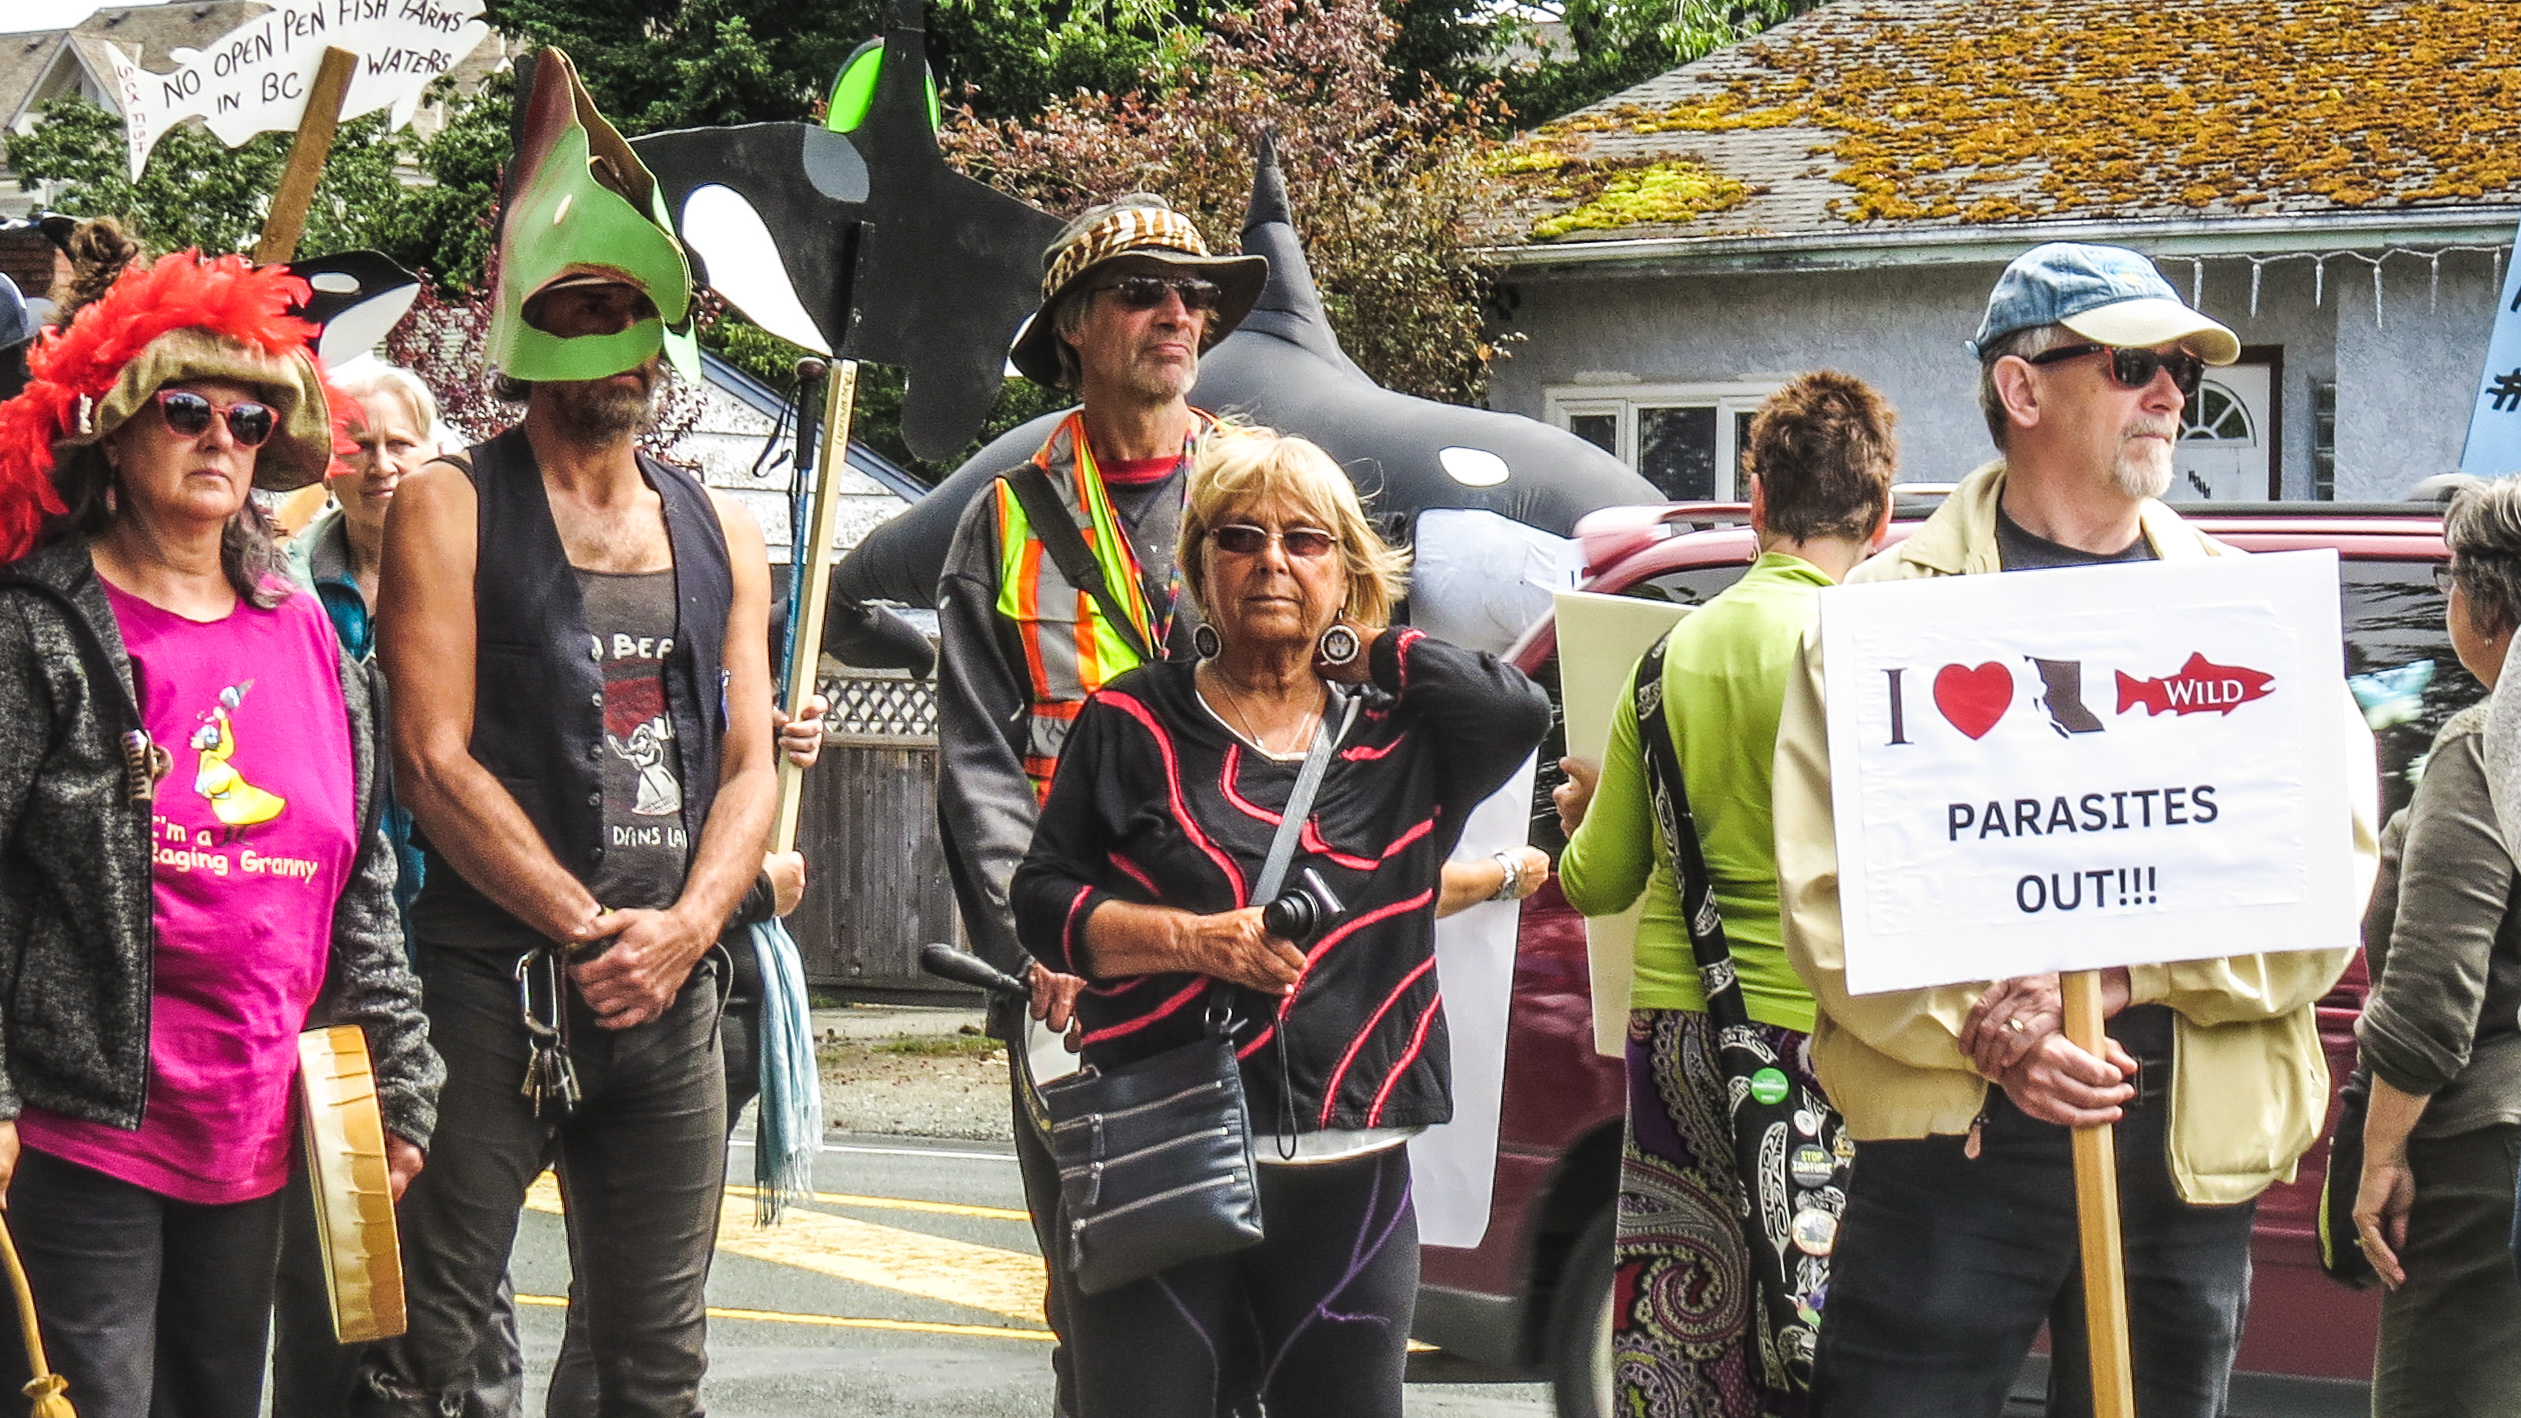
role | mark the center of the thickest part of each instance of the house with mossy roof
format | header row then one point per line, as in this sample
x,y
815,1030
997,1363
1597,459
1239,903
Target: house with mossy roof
x,y
2338,182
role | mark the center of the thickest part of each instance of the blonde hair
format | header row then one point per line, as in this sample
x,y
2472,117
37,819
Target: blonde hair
x,y
364,383
1239,465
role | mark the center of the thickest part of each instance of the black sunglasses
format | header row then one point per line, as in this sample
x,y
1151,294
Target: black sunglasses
x,y
188,415
1148,292
2135,368
1243,539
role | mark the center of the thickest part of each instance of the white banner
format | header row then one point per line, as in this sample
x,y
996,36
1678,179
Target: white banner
x,y
2075,769
255,78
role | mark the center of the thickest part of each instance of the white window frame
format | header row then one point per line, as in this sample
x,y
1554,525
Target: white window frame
x,y
1563,403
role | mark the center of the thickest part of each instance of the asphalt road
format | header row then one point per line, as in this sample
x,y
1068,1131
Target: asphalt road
x,y
910,1287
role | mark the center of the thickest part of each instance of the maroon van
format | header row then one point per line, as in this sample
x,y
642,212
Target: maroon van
x,y
1534,1296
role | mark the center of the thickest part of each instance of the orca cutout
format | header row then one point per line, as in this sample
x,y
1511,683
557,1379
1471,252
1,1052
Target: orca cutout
x,y
922,268
17,330
356,296
1283,367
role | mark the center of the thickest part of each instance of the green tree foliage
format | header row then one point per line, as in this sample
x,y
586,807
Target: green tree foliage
x,y
197,191
1609,45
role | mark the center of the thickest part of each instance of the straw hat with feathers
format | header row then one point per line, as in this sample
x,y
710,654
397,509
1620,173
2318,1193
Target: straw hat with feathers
x,y
184,317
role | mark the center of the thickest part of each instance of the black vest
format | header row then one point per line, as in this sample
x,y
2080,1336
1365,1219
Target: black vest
x,y
538,693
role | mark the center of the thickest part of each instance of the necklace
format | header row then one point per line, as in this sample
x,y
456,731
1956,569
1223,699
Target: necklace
x,y
1234,703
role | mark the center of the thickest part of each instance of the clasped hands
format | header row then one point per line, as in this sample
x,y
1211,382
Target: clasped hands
x,y
2015,1037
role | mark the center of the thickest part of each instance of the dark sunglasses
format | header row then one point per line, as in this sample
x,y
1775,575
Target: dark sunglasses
x,y
188,415
1243,539
2133,368
1148,292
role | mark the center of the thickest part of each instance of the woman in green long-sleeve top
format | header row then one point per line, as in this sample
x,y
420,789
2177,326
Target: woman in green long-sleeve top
x,y
2434,1211
1821,460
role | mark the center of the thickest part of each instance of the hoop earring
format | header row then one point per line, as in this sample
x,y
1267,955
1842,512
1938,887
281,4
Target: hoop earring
x,y
1206,642
1339,645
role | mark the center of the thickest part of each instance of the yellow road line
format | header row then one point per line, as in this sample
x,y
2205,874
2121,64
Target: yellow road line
x,y
987,1278
985,1331
895,1203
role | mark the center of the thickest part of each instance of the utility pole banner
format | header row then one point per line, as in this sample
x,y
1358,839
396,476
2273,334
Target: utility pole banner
x,y
2098,766
256,77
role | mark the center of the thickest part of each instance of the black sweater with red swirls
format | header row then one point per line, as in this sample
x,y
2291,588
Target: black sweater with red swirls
x,y
1154,801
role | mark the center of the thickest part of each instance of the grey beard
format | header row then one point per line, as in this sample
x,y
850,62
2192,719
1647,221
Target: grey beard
x,y
2141,482
600,413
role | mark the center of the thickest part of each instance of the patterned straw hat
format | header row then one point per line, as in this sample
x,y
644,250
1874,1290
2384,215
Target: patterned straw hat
x,y
1140,224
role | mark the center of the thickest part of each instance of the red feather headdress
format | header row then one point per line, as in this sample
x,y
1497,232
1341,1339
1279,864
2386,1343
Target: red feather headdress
x,y
71,371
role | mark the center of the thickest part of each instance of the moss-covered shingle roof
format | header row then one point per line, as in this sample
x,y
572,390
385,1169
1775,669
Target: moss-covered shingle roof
x,y
1967,112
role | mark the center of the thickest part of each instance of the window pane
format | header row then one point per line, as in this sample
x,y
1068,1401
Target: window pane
x,y
1600,430
1676,451
1742,454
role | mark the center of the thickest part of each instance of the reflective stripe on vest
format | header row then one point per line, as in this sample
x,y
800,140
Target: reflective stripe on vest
x,y
1070,650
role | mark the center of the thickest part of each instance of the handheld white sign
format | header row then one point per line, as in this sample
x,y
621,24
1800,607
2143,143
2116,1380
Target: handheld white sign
x,y
255,78
2076,769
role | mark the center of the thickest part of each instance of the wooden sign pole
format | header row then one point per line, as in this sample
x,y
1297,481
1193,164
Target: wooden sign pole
x,y
2096,1208
287,221
810,559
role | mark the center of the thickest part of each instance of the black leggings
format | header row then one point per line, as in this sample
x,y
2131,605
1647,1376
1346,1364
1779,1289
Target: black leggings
x,y
1323,1303
151,1306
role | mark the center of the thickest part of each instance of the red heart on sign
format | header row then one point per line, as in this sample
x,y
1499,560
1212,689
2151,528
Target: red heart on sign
x,y
1974,699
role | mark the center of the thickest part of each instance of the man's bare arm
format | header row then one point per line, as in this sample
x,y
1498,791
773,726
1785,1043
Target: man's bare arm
x,y
637,977
425,640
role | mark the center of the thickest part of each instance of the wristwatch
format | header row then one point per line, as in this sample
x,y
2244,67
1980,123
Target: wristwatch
x,y
1510,879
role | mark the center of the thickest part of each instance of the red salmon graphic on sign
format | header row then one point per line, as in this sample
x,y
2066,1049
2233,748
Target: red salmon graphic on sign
x,y
2200,686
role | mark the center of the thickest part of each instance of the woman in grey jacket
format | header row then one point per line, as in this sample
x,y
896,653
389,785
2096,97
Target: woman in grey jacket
x,y
189,847
2434,1210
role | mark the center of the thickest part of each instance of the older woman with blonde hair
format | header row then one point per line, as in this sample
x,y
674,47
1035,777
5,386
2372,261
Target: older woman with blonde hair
x,y
1168,796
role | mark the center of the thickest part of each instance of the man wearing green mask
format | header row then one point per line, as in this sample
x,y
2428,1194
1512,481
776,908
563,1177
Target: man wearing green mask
x,y
582,731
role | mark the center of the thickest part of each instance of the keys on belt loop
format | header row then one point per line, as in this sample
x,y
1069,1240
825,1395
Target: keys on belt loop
x,y
549,1077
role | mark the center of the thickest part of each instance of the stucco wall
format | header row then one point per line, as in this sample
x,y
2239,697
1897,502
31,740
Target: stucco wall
x,y
2403,389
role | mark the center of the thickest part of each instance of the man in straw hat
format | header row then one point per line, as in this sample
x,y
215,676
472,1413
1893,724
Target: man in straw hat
x,y
590,820
1958,1237
1130,300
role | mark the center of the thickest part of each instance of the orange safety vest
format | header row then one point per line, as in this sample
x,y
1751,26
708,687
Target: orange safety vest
x,y
1070,650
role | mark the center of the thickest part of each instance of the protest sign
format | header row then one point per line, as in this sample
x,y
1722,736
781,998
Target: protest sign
x,y
1599,641
2100,766
2494,426
256,78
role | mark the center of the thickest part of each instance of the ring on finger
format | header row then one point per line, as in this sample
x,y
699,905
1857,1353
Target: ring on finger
x,y
2015,1024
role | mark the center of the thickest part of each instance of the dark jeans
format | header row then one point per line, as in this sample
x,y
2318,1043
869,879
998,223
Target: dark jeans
x,y
641,1161
152,1307
1325,1300
571,1393
2451,1336
1946,1266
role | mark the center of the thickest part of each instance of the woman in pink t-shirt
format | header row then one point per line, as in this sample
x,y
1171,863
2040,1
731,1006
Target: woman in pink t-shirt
x,y
189,844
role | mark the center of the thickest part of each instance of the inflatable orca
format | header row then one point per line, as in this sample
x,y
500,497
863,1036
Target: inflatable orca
x,y
859,239
357,296
1283,368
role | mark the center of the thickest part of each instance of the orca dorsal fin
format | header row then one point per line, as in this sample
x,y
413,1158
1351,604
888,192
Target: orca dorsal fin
x,y
1290,307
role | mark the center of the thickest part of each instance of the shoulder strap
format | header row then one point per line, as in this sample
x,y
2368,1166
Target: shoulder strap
x,y
1707,942
1317,761
456,460
1056,529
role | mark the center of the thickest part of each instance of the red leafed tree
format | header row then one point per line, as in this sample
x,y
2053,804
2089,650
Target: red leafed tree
x,y
1381,186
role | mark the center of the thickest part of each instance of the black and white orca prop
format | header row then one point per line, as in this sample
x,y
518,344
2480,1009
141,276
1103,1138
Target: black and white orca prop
x,y
865,244
357,296
1283,368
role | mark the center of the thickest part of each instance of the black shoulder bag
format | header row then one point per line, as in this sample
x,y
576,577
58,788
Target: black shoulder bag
x,y
1155,1160
1790,1147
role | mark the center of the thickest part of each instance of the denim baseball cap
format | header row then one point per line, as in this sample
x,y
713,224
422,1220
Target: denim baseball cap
x,y
2107,294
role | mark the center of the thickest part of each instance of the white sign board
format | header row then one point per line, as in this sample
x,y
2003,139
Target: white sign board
x,y
1600,640
2494,426
2075,769
255,78
1453,1165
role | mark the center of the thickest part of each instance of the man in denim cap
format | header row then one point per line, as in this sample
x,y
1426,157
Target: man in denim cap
x,y
1959,1235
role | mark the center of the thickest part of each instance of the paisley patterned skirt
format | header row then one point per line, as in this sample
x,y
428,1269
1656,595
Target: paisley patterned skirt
x,y
1682,1294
